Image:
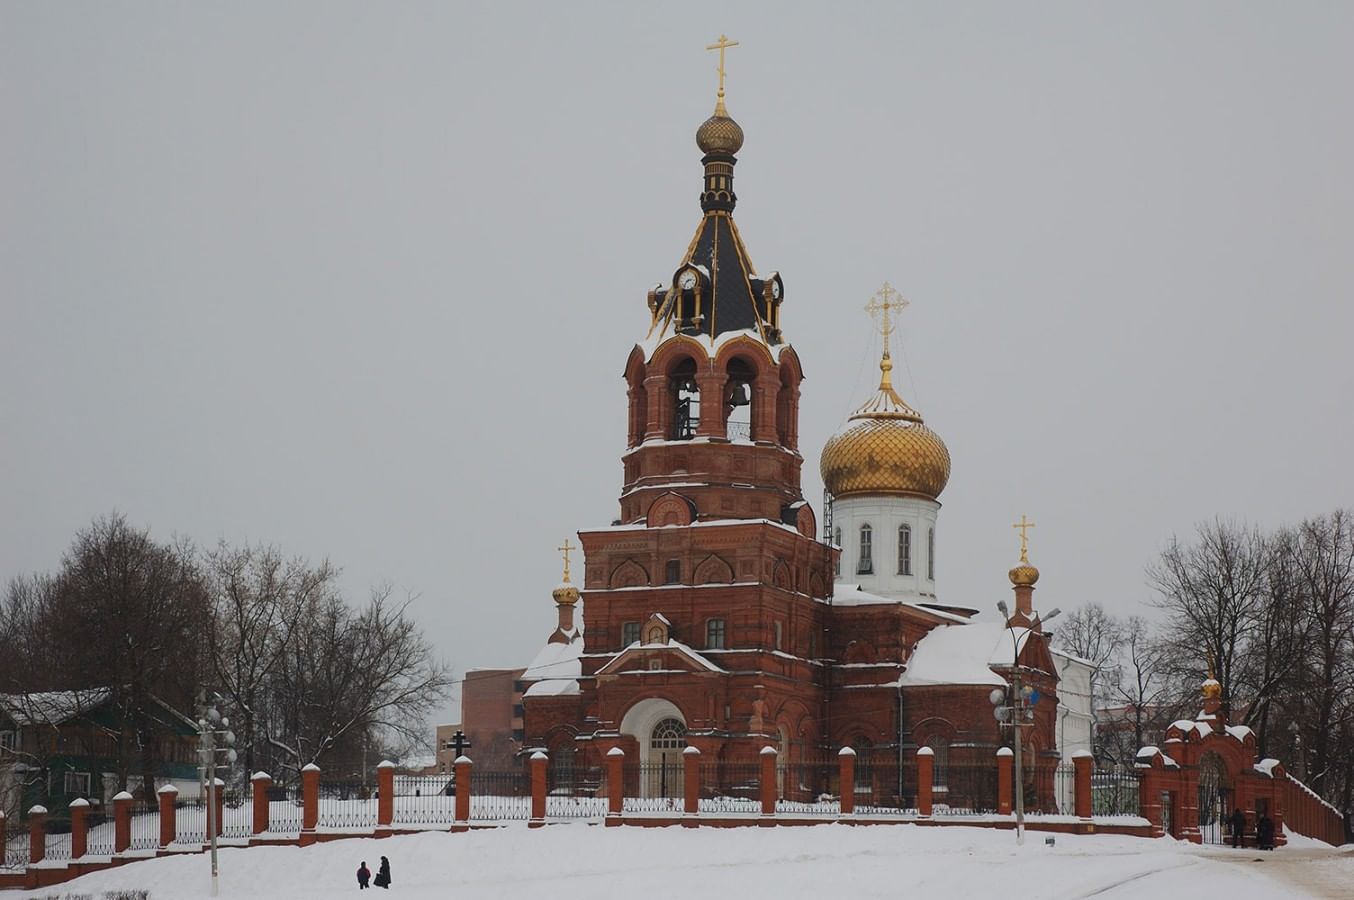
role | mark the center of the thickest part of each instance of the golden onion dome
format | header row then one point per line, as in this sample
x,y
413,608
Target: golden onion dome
x,y
885,448
1211,688
565,594
719,133
1024,574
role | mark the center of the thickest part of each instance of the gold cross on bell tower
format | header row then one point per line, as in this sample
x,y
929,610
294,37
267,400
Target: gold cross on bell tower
x,y
1024,525
565,548
885,301
721,45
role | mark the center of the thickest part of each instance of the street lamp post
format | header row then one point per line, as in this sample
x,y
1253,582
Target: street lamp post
x,y
1017,714
214,736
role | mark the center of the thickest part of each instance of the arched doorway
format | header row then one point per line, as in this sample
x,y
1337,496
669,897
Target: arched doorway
x,y
659,728
1214,798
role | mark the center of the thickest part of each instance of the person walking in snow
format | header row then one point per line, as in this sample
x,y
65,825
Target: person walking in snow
x,y
383,874
1238,823
363,876
1264,833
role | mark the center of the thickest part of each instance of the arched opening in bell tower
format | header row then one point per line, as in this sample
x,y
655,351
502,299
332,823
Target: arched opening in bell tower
x,y
738,399
686,400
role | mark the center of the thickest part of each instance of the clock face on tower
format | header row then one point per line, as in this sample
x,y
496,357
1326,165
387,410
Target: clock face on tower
x,y
775,290
687,280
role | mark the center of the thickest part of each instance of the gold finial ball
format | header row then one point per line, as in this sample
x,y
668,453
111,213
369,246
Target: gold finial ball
x,y
1024,575
565,594
1211,689
719,134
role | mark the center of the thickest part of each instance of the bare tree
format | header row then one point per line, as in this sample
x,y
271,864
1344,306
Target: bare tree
x,y
1095,636
259,603
1143,686
1213,590
1325,569
348,674
131,614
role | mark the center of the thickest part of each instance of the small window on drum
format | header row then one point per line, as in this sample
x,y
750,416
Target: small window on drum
x,y
629,633
865,563
672,572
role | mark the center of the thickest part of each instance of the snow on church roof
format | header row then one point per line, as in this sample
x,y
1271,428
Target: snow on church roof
x,y
555,670
963,654
855,595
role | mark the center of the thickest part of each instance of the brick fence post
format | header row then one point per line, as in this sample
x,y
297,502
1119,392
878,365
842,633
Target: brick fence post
x,y
536,764
168,795
385,794
37,834
463,767
926,760
310,802
846,778
122,822
79,827
259,783
615,785
691,781
1151,770
769,759
1005,773
1081,792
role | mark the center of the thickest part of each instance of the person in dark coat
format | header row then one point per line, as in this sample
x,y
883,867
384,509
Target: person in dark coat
x,y
1238,823
363,876
383,874
1264,833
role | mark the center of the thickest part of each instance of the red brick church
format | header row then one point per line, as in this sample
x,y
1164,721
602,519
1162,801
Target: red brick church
x,y
715,614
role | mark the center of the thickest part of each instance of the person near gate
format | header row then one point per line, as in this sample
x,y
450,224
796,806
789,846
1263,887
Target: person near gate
x,y
1238,823
363,876
383,874
1264,833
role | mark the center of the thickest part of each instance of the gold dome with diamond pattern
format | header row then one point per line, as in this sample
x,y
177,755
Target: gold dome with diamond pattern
x,y
885,448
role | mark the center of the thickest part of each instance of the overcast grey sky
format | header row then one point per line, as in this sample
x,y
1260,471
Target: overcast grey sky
x,y
360,279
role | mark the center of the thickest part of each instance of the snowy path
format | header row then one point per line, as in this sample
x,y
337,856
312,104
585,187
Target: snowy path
x,y
1320,872
827,861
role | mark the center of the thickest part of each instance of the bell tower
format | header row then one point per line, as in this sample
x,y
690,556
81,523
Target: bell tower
x,y
714,388
713,576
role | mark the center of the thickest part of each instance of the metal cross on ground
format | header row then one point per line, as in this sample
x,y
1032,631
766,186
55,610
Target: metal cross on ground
x,y
459,743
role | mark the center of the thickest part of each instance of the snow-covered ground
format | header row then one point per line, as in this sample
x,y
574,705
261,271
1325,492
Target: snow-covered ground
x,y
827,861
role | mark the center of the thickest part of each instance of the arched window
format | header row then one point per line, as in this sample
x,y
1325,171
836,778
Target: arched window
x,y
931,554
904,549
669,734
865,565
940,762
686,397
837,539
738,400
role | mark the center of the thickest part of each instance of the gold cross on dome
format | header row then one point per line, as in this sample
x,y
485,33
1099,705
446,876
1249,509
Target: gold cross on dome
x,y
1024,525
886,299
565,548
721,45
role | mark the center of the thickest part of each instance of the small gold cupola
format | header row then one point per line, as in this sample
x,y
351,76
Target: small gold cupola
x,y
566,598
